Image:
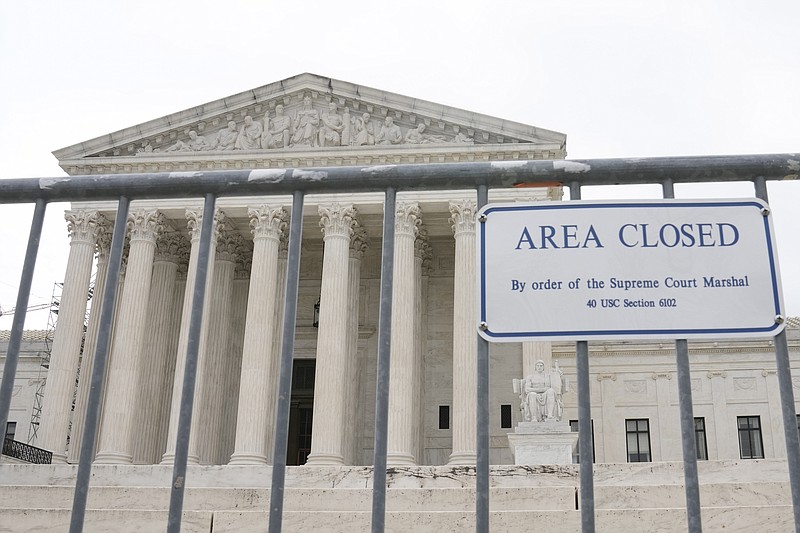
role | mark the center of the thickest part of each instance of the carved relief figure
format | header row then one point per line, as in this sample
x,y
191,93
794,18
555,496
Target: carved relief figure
x,y
346,127
331,127
540,394
276,132
364,132
462,138
249,137
226,138
194,144
306,125
418,136
390,133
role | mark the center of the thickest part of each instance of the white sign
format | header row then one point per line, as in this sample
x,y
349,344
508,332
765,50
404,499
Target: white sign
x,y
583,270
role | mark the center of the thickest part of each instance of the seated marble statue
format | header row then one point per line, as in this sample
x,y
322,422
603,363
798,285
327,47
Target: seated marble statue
x,y
276,132
390,133
226,138
540,394
331,126
363,134
249,135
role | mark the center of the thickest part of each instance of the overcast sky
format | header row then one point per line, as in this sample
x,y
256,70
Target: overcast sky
x,y
619,78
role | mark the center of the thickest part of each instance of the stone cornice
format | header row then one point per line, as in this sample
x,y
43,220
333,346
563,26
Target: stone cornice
x,y
320,157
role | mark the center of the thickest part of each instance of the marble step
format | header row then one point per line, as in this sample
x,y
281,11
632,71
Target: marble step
x,y
764,519
427,499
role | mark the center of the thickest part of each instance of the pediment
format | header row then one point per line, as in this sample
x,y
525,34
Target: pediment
x,y
310,120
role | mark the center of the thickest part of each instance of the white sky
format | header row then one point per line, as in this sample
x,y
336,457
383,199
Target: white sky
x,y
619,78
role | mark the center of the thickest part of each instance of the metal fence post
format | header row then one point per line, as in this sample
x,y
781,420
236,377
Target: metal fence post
x,y
384,355
285,380
584,417
784,374
688,445
190,372
482,459
99,369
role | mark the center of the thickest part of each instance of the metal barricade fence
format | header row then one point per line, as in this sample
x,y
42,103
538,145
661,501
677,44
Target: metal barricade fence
x,y
387,179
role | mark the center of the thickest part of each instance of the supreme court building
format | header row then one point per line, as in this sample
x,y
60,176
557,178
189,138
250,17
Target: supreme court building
x,y
311,121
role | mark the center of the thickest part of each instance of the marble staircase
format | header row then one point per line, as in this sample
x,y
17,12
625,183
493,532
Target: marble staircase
x,y
735,496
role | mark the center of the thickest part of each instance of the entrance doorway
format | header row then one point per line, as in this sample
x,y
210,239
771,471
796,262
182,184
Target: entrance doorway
x,y
301,411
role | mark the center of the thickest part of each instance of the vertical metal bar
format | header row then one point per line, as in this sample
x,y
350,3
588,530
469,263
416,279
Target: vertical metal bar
x,y
482,460
688,444
285,380
784,374
99,369
584,417
190,370
17,326
692,485
384,354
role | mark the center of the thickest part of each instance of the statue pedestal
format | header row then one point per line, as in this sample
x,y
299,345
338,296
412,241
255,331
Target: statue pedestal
x,y
542,443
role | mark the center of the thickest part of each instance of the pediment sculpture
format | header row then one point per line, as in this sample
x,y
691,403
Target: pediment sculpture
x,y
541,392
308,127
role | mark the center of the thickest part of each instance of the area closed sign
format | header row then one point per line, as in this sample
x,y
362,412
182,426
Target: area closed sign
x,y
627,269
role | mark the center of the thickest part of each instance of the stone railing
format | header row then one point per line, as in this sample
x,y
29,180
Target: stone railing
x,y
26,452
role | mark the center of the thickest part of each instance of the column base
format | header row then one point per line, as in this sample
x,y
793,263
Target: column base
x,y
463,459
60,458
244,458
325,459
113,458
400,459
169,459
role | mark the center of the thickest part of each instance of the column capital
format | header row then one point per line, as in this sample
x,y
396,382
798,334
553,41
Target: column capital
x,y
194,221
172,247
82,226
422,249
462,216
231,246
336,220
408,218
105,232
268,221
145,224
359,242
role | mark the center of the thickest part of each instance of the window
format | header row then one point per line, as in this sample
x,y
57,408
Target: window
x,y
576,457
505,416
444,417
750,444
798,422
11,430
637,431
700,438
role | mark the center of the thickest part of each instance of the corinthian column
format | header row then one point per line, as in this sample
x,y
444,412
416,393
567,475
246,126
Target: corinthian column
x,y
116,439
212,362
327,441
64,357
358,245
158,354
104,234
194,220
256,384
401,446
422,259
277,336
464,335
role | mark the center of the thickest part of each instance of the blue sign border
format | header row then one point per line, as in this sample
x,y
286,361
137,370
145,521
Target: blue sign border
x,y
660,333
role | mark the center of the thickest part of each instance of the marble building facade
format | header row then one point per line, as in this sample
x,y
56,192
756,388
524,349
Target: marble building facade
x,y
310,121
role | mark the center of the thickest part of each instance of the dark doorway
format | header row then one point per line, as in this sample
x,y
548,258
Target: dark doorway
x,y
301,411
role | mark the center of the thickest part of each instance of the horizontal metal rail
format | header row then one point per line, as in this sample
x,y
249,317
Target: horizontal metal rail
x,y
375,178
